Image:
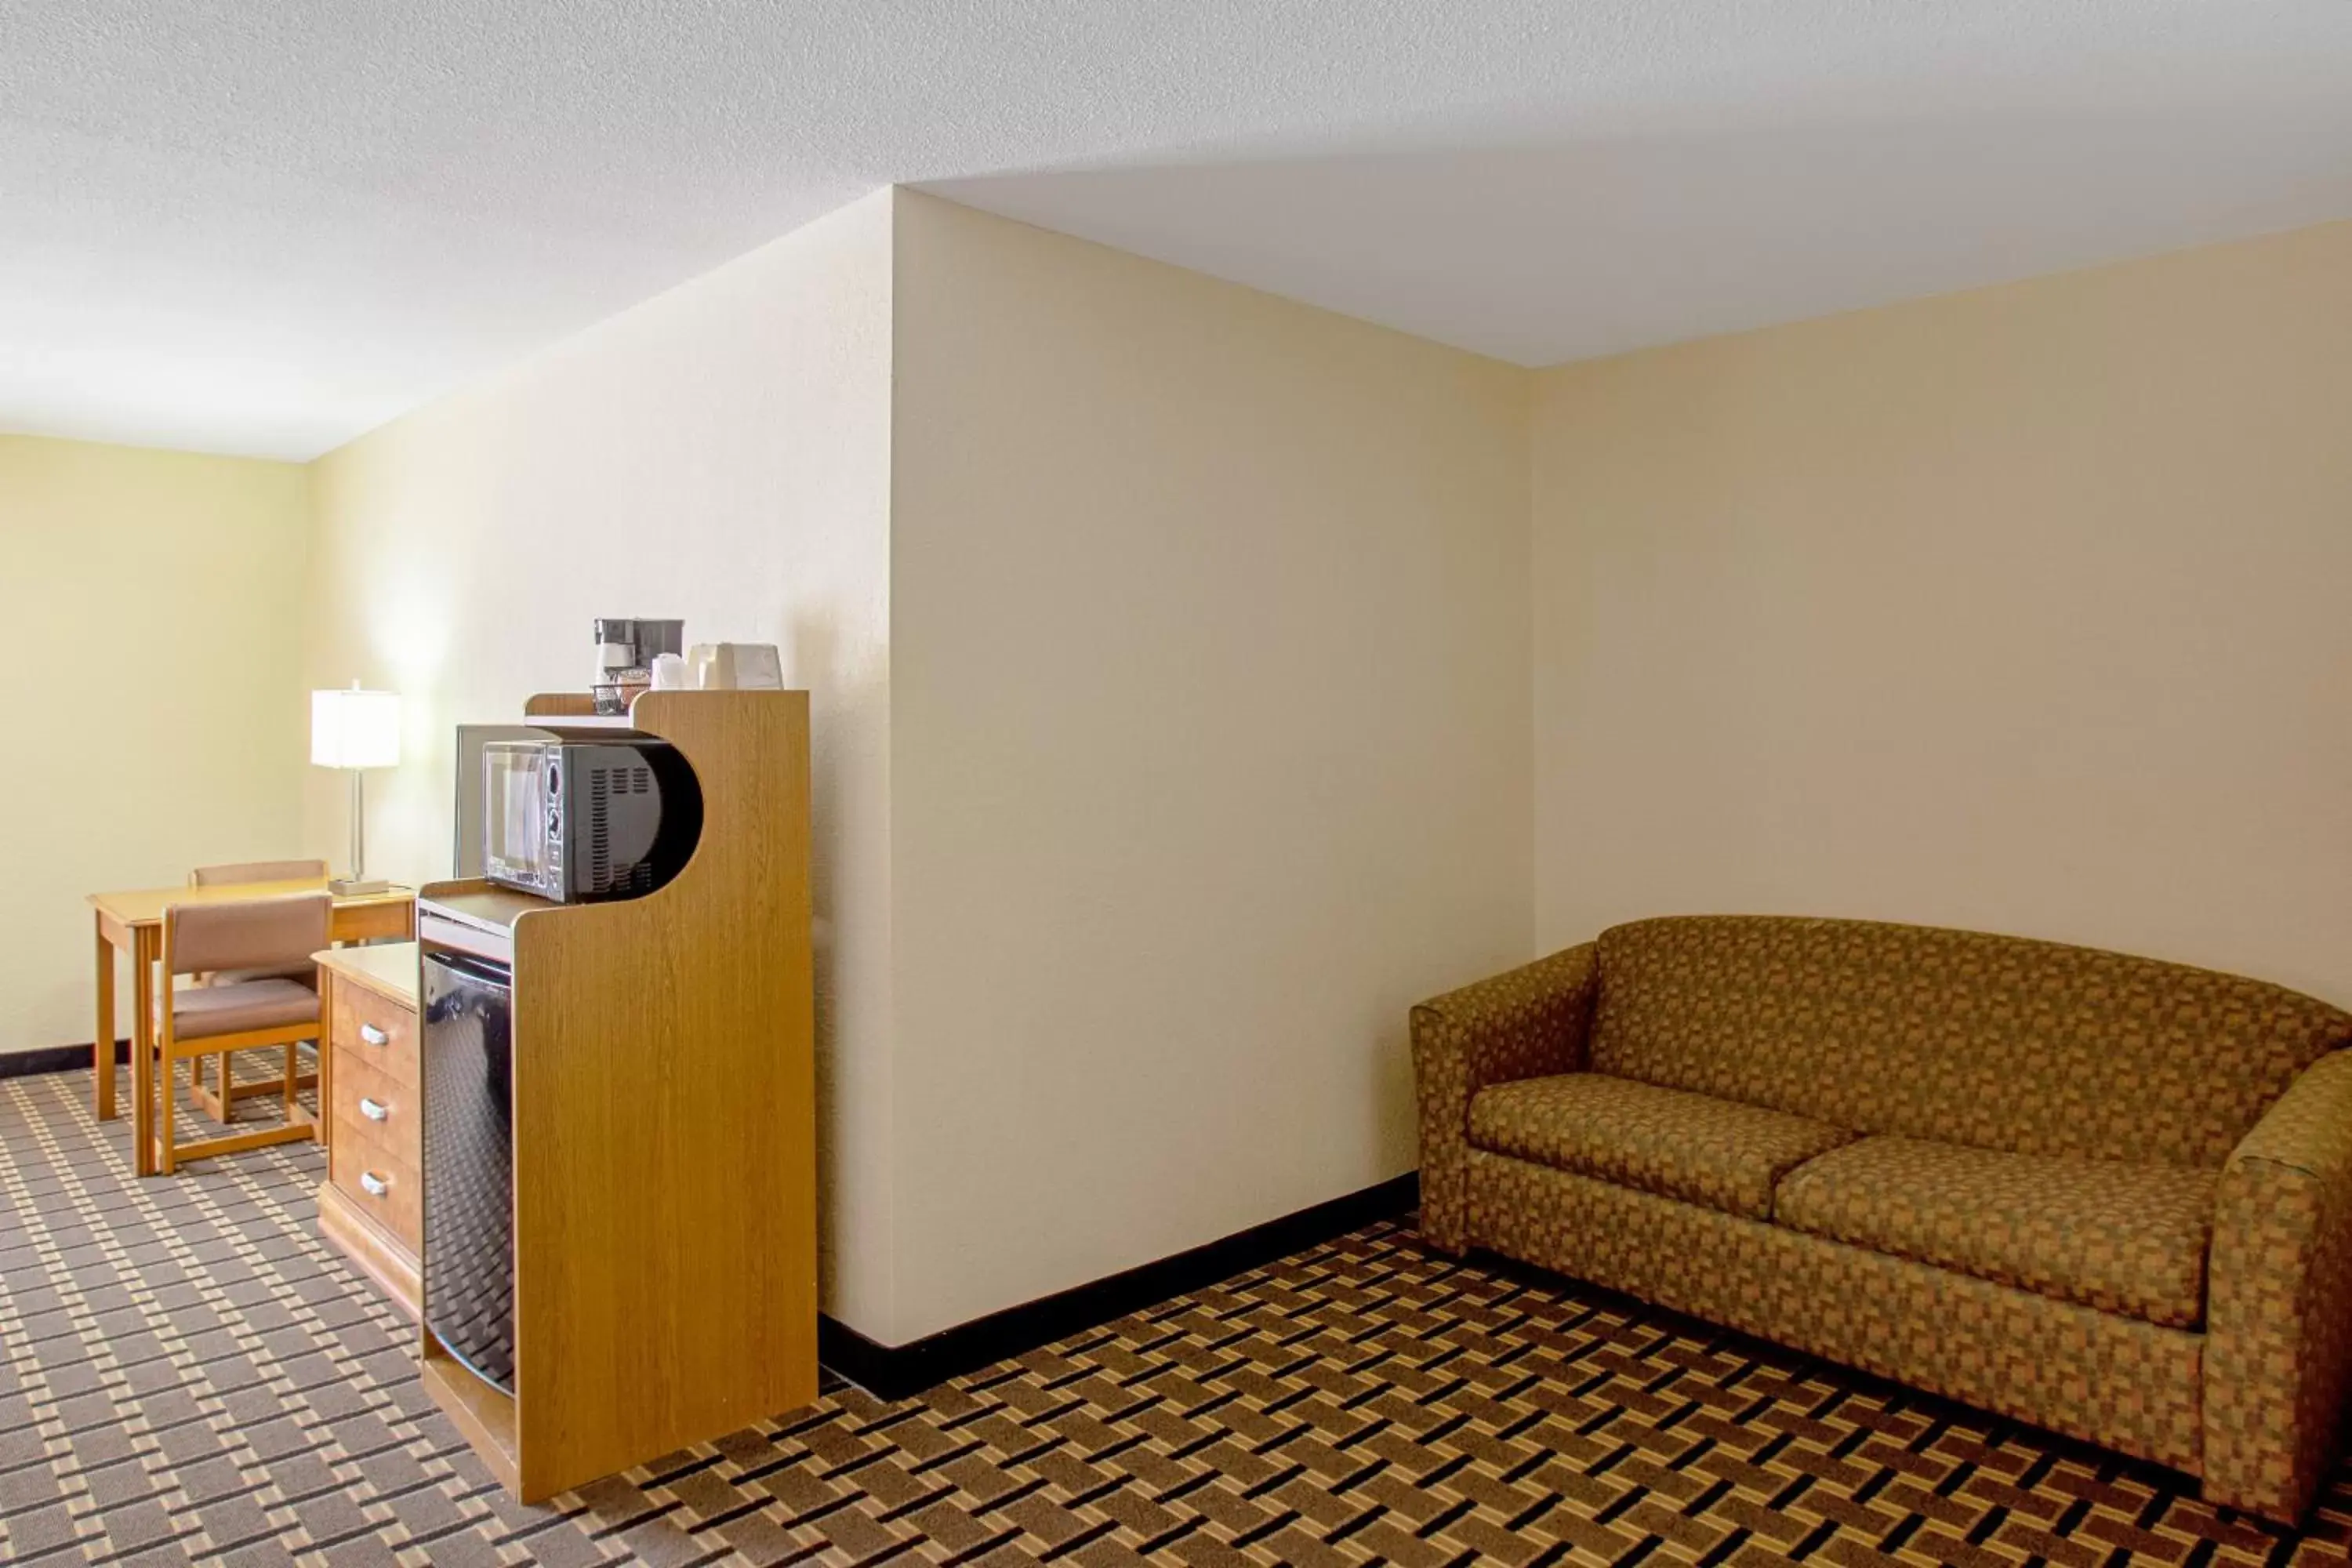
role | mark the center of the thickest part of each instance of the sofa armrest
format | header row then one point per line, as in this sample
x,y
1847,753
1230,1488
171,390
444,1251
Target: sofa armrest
x,y
1528,1023
2278,1348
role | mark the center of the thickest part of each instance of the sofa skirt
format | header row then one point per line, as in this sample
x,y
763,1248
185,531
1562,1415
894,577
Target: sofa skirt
x,y
2116,1381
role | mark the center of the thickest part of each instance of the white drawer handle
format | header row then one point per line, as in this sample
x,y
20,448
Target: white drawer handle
x,y
373,1035
375,1187
373,1110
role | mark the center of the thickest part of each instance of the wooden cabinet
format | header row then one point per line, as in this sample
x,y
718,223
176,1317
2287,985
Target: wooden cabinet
x,y
661,1166
371,1205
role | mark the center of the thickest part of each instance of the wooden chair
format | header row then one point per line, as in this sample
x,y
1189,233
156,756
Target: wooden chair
x,y
214,1020
222,1105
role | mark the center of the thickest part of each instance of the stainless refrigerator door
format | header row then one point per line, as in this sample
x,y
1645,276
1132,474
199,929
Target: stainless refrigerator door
x,y
468,1059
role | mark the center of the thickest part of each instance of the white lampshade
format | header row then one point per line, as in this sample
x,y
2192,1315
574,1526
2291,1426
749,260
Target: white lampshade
x,y
355,728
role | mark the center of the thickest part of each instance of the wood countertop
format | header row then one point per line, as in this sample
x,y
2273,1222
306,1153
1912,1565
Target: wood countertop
x,y
388,968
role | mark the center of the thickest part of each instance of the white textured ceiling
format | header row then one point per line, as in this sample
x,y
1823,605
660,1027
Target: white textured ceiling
x,y
252,226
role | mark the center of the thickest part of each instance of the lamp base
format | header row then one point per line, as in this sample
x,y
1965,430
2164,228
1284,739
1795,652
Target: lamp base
x,y
348,888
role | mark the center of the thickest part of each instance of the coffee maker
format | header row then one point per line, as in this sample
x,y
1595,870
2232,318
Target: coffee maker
x,y
627,648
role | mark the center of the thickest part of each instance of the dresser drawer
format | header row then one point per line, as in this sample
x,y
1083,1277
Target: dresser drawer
x,y
374,1106
374,1033
379,1180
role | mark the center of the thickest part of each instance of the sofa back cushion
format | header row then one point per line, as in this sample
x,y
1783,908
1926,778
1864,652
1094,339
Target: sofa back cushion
x,y
2001,1042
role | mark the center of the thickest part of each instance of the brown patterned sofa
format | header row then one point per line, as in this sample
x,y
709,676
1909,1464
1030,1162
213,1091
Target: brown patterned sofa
x,y
2104,1195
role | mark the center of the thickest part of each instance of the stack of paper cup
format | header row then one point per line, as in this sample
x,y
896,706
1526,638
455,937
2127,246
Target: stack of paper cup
x,y
735,666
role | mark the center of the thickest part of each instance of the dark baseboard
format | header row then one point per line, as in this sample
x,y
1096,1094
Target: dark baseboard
x,y
897,1372
54,1058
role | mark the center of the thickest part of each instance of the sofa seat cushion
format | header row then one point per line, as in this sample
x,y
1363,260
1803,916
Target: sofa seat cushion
x,y
2124,1238
1715,1152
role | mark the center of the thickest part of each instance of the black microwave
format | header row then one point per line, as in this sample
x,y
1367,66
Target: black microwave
x,y
576,820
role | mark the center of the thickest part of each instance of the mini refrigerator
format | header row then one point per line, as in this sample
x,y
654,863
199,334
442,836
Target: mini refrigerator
x,y
468,1060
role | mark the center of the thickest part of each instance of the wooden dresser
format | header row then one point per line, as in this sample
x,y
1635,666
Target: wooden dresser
x,y
371,1203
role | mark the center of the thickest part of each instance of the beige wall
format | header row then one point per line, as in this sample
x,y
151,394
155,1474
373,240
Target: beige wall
x,y
2024,608
1214,751
154,610
1209,751
721,453
1174,657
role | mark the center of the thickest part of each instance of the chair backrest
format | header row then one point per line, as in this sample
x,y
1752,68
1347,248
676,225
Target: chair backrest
x,y
1998,1041
256,871
246,934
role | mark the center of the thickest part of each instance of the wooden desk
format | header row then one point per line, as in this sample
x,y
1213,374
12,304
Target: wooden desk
x,y
370,1204
132,922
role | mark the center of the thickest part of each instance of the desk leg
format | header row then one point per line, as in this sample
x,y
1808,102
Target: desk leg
x,y
102,1047
143,1052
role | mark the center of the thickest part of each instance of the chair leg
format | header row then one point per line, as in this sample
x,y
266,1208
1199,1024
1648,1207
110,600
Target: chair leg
x,y
142,1115
170,1114
202,1071
293,1071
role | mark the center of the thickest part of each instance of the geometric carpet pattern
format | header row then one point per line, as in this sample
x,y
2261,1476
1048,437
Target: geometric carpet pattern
x,y
189,1374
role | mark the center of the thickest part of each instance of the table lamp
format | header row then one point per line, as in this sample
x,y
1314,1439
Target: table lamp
x,y
355,730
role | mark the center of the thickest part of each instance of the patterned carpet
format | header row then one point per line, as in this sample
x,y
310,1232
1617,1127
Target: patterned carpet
x,y
188,1374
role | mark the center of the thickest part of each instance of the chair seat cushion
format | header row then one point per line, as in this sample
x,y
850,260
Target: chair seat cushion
x,y
202,1012
302,975
1718,1152
2124,1238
